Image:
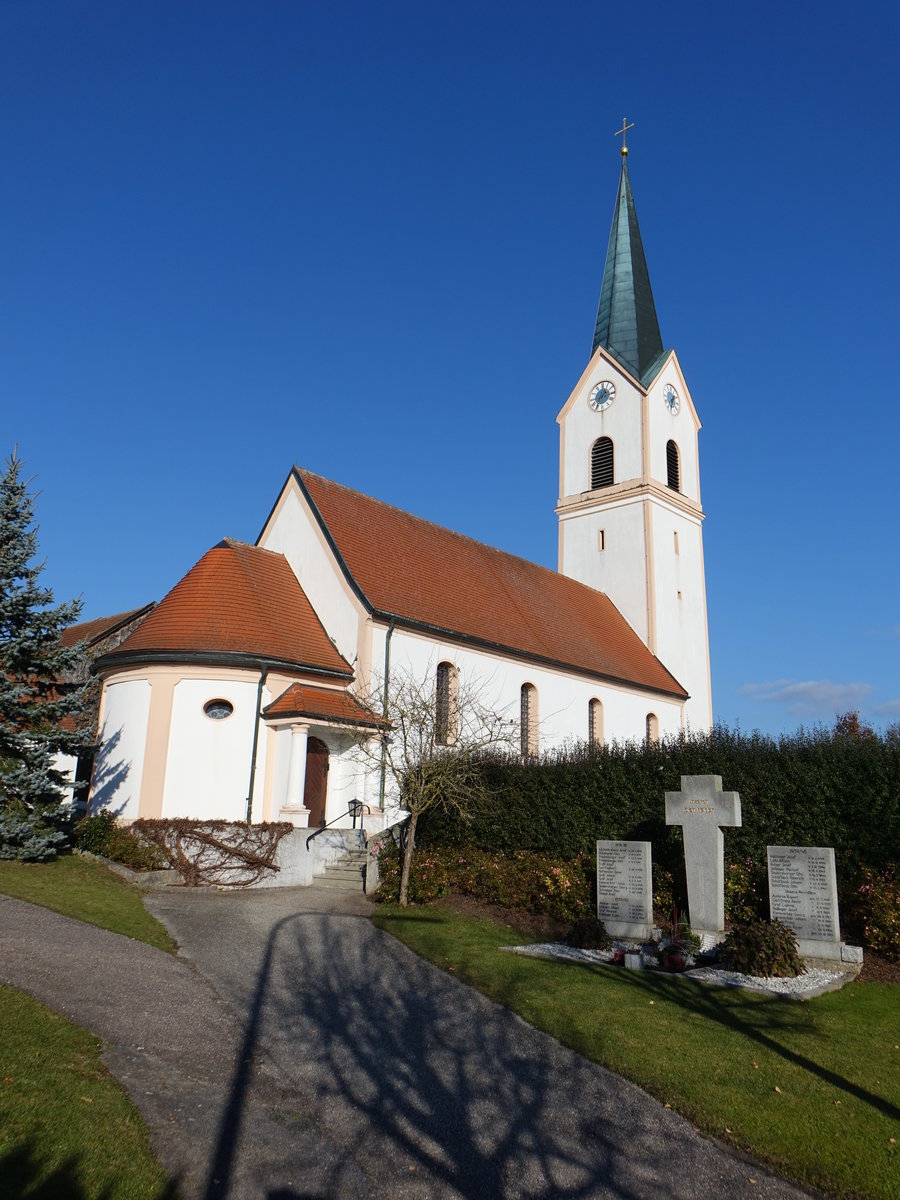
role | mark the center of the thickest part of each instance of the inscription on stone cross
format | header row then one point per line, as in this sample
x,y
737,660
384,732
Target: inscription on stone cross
x,y
701,808
625,888
803,896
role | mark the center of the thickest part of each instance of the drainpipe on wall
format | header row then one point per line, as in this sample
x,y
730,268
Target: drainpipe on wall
x,y
384,710
259,692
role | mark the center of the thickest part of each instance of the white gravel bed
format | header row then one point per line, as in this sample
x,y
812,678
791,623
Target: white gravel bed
x,y
812,982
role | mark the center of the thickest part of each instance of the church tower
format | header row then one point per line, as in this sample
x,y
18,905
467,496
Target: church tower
x,y
630,518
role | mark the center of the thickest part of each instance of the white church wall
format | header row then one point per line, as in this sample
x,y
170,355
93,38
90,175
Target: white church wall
x,y
563,697
281,764
67,764
680,609
119,765
208,769
620,568
293,532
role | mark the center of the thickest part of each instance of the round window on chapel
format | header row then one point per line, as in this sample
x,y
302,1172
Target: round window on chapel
x,y
218,710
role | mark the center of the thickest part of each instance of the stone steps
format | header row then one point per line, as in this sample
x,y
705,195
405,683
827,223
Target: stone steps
x,y
347,874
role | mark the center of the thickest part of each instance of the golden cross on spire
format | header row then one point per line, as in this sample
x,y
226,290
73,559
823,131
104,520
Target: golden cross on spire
x,y
621,133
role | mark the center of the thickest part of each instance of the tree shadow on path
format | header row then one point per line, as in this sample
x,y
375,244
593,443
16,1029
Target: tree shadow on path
x,y
435,1091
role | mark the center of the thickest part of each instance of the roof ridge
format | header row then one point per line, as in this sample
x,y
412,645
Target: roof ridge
x,y
452,583
466,537
239,544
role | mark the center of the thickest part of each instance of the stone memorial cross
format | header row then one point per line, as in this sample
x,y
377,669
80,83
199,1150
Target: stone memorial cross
x,y
701,808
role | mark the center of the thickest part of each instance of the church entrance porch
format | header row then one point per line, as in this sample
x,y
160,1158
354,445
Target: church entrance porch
x,y
316,784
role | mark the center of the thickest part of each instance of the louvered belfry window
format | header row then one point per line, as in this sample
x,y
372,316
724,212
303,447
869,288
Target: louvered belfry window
x,y
673,468
602,463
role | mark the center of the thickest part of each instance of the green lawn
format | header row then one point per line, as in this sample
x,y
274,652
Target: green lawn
x,y
811,1088
79,887
67,1130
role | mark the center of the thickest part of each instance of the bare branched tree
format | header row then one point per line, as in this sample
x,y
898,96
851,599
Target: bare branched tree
x,y
441,728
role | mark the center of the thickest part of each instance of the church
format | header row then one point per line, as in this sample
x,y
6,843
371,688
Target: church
x,y
246,692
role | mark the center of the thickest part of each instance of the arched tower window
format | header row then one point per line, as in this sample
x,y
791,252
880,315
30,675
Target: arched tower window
x,y
673,467
531,744
446,705
602,463
595,723
652,727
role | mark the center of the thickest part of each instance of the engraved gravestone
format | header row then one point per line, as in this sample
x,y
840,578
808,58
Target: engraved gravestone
x,y
625,888
803,896
701,808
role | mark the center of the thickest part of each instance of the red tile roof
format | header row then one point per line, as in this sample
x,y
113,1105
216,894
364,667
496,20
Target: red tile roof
x,y
427,575
239,601
322,703
100,627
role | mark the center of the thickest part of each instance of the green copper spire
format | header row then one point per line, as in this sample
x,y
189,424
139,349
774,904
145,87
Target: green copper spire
x,y
626,318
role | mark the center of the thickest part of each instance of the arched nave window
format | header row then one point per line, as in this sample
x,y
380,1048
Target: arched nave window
x,y
446,705
531,744
595,723
652,727
673,467
602,472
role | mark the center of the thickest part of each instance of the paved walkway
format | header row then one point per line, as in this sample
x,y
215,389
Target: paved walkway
x,y
294,1051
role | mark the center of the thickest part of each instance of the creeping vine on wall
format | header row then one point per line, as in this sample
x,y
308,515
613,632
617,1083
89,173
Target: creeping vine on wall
x,y
216,853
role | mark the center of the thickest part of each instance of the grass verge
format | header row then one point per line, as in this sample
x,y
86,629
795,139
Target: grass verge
x,y
811,1088
79,887
67,1129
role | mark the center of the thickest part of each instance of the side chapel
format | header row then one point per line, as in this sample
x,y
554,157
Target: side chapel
x,y
239,696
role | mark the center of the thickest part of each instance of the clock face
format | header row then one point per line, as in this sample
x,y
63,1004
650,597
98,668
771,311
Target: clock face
x,y
602,395
671,398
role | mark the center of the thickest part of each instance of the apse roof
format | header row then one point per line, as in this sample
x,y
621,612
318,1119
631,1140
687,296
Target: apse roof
x,y
427,576
239,603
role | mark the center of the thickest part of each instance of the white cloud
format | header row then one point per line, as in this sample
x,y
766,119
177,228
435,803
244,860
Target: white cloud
x,y
810,697
890,708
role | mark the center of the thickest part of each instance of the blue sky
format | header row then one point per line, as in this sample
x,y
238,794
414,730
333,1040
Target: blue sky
x,y
368,238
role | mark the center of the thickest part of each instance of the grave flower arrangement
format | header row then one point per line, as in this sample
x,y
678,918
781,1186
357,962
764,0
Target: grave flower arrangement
x,y
679,946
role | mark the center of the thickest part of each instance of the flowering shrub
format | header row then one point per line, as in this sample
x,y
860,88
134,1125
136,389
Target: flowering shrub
x,y
746,892
878,908
426,883
535,882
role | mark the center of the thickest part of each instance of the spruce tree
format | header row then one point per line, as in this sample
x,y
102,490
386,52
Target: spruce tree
x,y
42,711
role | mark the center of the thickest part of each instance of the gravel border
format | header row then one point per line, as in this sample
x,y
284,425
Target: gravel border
x,y
813,982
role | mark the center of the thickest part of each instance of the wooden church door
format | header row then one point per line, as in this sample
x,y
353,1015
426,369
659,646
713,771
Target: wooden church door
x,y
316,781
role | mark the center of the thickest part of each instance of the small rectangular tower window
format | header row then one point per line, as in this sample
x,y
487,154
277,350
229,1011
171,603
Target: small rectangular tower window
x,y
601,539
677,551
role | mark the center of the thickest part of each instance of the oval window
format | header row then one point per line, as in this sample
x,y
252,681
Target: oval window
x,y
218,710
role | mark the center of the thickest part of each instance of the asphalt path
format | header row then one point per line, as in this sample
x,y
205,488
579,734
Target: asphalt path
x,y
291,1051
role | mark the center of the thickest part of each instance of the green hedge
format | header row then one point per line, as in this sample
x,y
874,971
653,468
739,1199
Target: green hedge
x,y
812,788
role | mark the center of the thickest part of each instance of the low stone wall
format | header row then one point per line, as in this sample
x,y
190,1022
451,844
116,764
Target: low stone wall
x,y
298,864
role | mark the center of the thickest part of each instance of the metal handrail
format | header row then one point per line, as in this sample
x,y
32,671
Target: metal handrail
x,y
354,810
